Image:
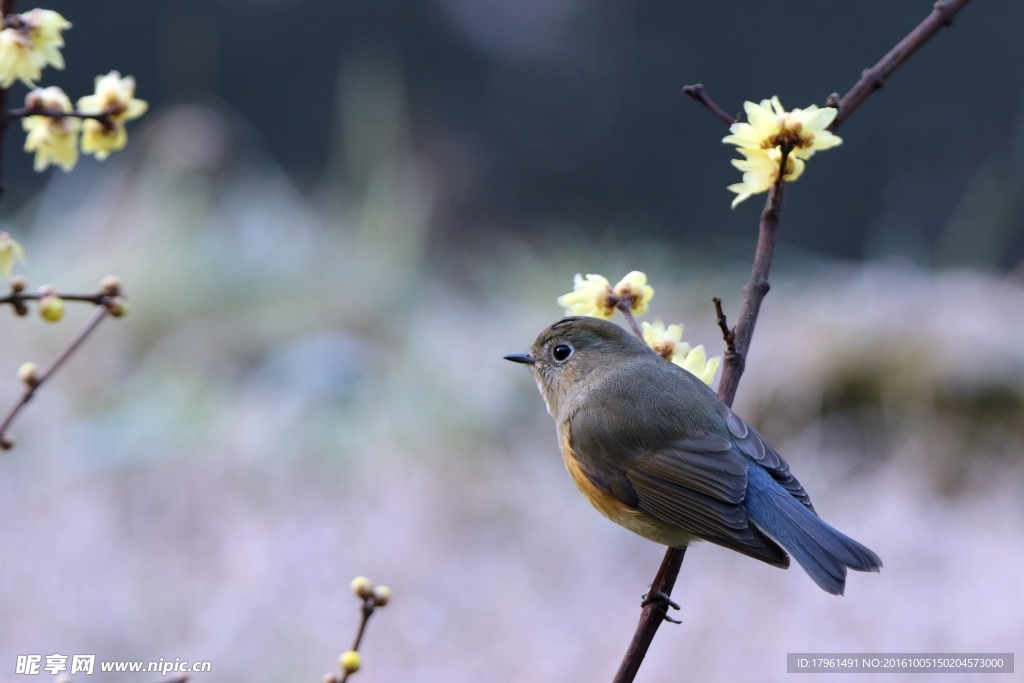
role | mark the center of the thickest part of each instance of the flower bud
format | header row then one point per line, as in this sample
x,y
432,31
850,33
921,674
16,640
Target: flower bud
x,y
111,285
118,307
350,662
51,308
381,596
6,441
362,587
18,283
27,373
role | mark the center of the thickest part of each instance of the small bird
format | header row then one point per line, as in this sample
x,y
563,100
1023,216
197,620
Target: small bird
x,y
655,450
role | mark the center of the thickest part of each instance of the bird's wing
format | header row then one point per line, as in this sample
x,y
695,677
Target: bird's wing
x,y
695,484
752,445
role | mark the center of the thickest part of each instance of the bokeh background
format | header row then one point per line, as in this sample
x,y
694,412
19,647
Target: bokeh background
x,y
338,216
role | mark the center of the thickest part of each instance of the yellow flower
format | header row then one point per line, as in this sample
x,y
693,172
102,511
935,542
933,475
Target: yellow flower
x,y
770,126
591,296
761,170
44,30
54,140
27,48
18,59
10,252
667,342
634,288
114,96
697,364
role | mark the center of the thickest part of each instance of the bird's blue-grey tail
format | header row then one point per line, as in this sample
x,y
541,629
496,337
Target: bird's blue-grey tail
x,y
823,552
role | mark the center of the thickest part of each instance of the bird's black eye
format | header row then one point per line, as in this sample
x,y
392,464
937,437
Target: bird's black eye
x,y
561,352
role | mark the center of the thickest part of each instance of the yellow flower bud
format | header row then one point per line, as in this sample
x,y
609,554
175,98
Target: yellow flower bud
x,y
362,587
27,374
51,308
350,662
118,307
381,596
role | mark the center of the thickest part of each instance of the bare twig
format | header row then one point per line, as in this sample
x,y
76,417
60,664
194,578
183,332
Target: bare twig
x,y
16,297
728,333
54,113
624,305
758,286
874,78
31,387
698,93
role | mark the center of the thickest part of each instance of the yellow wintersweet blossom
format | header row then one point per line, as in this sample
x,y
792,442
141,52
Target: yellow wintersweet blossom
x,y
634,288
667,342
594,296
54,140
590,296
761,170
696,363
114,96
44,30
10,252
767,129
26,48
768,125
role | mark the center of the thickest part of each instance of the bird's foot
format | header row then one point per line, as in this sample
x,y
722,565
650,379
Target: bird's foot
x,y
660,598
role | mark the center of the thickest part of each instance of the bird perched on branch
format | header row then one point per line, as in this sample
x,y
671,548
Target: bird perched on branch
x,y
658,452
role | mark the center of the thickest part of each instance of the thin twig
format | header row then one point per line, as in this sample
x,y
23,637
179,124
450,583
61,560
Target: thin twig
x,y
54,113
698,93
624,305
874,78
758,286
14,297
728,333
30,388
367,612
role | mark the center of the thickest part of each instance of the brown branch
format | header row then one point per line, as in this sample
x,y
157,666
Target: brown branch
x,y
874,78
32,386
15,297
757,287
698,93
54,113
651,615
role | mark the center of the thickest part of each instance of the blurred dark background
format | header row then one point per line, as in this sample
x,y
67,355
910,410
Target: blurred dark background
x,y
536,113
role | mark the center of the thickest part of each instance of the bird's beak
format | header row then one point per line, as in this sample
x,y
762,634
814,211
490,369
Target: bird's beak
x,y
520,358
